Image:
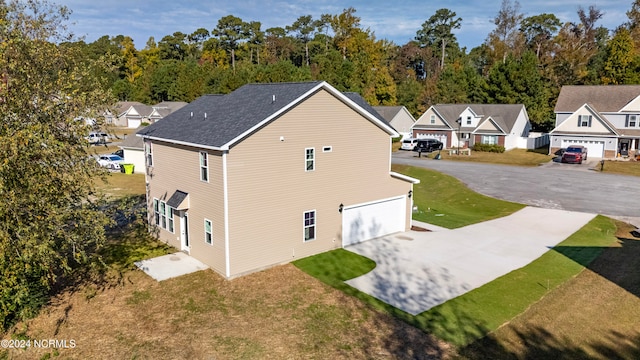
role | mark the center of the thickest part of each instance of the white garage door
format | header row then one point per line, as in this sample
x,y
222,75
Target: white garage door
x,y
441,138
367,221
134,123
595,149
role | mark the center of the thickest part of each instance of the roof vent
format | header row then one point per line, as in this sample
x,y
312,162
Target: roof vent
x,y
205,116
191,115
273,98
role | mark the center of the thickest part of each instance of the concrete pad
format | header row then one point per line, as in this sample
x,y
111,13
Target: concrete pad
x,y
416,270
170,266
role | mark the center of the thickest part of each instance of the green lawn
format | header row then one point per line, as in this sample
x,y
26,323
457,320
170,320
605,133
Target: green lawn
x,y
475,314
519,157
444,201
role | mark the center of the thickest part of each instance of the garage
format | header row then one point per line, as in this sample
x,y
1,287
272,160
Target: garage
x,y
595,149
370,220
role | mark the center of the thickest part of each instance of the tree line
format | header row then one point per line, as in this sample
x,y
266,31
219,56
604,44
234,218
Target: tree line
x,y
523,59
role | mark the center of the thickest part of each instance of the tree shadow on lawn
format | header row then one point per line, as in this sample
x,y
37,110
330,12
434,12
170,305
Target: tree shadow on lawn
x,y
619,266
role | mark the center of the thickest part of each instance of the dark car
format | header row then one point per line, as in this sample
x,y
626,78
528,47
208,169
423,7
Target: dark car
x,y
427,145
574,154
119,153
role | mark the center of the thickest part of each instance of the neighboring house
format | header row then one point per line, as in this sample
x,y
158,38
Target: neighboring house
x,y
467,124
133,151
132,114
163,109
603,118
399,117
271,173
135,115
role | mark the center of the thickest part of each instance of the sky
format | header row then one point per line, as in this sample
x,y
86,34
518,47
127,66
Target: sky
x,y
397,21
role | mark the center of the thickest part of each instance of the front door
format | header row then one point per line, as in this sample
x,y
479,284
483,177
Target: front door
x,y
184,231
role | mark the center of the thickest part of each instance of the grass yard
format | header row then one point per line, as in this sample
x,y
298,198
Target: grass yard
x,y
120,184
520,157
620,167
444,201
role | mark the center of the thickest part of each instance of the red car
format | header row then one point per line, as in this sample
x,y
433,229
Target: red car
x,y
575,154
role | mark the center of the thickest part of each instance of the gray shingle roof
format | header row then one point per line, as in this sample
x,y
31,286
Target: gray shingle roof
x,y
603,98
388,112
220,120
505,115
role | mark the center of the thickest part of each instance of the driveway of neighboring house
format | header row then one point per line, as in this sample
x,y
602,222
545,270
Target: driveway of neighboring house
x,y
417,270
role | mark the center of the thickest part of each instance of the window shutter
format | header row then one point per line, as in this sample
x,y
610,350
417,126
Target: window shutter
x,y
590,120
626,122
579,120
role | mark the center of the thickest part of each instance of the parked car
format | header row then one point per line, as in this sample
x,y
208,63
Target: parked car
x,y
98,138
427,145
408,144
119,153
110,161
574,154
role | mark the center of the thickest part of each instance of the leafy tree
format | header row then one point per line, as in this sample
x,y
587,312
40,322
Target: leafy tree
x,y
506,37
173,47
518,81
255,39
621,64
279,47
49,222
195,42
438,31
303,28
539,30
231,30
344,27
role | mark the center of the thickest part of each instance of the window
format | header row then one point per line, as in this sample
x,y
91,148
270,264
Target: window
x,y
432,120
170,218
204,166
208,233
163,215
310,161
468,120
489,139
309,225
156,211
584,121
632,121
148,153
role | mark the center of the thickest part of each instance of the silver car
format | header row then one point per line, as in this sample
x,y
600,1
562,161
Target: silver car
x,y
110,161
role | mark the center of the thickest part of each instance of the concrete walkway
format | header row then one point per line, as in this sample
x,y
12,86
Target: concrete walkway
x,y
418,270
170,266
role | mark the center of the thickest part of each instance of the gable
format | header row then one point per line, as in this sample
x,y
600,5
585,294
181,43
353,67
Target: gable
x,y
489,126
632,106
425,119
597,125
220,121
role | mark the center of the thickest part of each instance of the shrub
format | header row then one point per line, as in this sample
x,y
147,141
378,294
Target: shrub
x,y
488,148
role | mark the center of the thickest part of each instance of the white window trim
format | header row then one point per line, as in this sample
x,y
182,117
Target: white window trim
x,y
432,119
148,152
327,149
305,226
469,120
205,231
494,140
306,159
635,121
203,155
162,211
581,122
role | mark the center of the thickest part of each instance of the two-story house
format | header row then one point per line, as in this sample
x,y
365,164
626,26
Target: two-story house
x,y
464,125
603,118
271,173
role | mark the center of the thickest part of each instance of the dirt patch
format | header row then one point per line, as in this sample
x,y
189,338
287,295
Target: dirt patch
x,y
281,313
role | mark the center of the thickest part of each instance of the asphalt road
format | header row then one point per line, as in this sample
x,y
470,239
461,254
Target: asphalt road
x,y
553,186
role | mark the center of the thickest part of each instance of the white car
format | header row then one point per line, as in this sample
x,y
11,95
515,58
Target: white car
x,y
97,138
408,144
110,161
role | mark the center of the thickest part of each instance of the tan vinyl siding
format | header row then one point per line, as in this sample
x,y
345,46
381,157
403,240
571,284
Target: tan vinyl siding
x,y
269,189
177,167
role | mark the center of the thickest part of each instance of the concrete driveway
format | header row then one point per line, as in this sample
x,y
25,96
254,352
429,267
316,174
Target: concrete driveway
x,y
416,271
